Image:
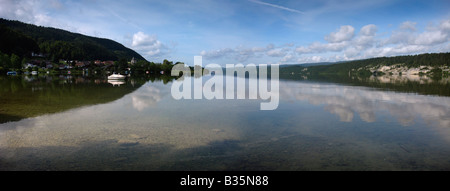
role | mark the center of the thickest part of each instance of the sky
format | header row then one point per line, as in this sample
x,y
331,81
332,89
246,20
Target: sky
x,y
250,31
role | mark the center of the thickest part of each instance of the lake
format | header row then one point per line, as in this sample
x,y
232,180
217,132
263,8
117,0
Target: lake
x,y
82,123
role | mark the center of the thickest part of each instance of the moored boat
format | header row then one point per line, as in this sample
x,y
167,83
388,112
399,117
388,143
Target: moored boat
x,y
116,77
11,73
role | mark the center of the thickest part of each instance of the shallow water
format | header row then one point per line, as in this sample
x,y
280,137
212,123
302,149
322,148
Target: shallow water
x,y
317,126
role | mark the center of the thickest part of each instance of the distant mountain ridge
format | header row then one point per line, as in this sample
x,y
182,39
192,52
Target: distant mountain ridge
x,y
371,65
59,44
312,64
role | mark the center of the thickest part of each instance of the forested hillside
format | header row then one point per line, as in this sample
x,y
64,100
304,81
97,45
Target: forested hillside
x,y
22,39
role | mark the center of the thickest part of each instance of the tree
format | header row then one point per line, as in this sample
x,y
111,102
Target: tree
x,y
24,61
140,67
153,67
166,68
2,62
5,61
166,62
122,65
16,62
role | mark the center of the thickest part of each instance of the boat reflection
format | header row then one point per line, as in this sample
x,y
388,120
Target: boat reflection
x,y
116,82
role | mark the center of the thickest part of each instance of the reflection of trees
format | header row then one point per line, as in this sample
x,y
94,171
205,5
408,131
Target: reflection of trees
x,y
157,77
345,101
405,79
30,96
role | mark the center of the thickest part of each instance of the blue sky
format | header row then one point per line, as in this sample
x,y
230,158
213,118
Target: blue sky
x,y
250,31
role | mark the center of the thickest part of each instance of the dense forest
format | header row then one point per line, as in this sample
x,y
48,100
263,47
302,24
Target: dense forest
x,y
23,39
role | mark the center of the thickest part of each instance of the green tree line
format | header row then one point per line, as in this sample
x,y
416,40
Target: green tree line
x,y
10,62
142,67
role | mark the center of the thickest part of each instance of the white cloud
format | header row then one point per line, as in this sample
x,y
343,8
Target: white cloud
x,y
216,53
284,53
52,13
288,58
242,53
303,50
344,44
276,52
330,47
311,59
26,11
365,38
142,39
352,52
263,49
345,33
364,41
408,26
431,37
434,35
148,45
394,50
32,11
43,20
368,30
317,47
338,41
445,26
405,40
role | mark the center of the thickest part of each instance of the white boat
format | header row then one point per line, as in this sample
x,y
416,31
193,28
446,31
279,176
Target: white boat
x,y
116,77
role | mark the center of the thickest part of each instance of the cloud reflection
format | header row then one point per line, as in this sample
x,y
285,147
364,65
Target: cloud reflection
x,y
345,102
147,96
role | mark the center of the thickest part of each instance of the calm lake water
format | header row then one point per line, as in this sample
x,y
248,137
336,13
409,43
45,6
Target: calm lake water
x,y
75,123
